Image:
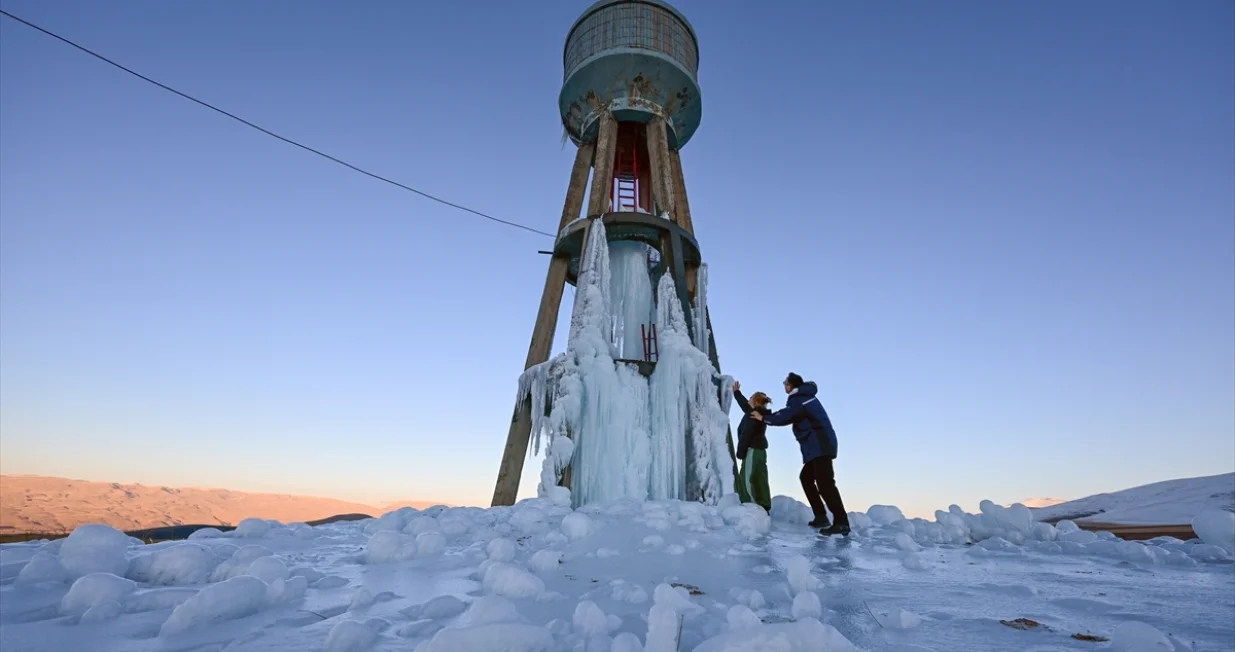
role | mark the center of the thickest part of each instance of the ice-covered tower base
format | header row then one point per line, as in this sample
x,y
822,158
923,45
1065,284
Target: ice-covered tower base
x,y
612,432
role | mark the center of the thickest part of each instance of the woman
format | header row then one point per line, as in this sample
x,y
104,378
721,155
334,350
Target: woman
x,y
752,485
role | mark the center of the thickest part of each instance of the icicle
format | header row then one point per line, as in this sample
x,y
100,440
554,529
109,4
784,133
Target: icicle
x,y
534,382
700,310
726,394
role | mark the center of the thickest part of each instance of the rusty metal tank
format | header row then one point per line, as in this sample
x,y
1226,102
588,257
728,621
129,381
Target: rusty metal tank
x,y
636,58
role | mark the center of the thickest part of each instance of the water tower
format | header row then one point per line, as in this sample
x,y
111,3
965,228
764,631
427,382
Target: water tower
x,y
629,101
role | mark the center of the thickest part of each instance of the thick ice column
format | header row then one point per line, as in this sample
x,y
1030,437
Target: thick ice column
x,y
630,292
700,311
667,479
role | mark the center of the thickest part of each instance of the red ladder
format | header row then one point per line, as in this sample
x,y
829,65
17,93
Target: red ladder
x,y
624,192
651,352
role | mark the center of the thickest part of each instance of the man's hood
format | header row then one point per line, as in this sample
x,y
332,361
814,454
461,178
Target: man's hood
x,y
807,390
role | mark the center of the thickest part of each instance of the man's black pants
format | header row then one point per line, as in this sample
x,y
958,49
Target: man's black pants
x,y
819,483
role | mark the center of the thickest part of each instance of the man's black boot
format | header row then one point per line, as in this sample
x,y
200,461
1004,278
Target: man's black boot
x,y
839,528
820,522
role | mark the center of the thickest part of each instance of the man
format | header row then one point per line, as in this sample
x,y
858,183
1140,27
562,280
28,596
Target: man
x,y
813,430
752,486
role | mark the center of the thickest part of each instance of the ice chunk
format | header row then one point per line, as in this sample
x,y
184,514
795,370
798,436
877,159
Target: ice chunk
x,y
740,616
237,597
157,599
1139,637
101,612
503,637
906,543
589,620
806,635
361,599
490,609
184,563
626,642
806,605
252,528
545,561
207,533
1066,527
43,567
442,607
512,582
664,624
95,548
501,550
797,570
239,562
430,544
350,636
576,525
385,547
676,598
788,510
1216,527
94,589
885,514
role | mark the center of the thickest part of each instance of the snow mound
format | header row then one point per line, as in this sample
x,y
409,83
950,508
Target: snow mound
x,y
43,567
234,598
350,636
1216,527
94,589
180,564
95,548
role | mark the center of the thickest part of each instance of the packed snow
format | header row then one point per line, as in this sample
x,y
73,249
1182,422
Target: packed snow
x,y
626,576
619,434
1173,502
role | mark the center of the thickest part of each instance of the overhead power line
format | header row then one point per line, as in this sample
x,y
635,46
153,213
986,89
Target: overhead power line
x,y
269,132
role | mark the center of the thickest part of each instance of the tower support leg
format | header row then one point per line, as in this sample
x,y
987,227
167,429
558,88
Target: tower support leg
x,y
515,453
681,212
598,204
661,168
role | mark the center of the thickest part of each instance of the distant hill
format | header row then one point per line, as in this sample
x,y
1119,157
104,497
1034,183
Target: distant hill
x,y
1173,502
30,503
1042,502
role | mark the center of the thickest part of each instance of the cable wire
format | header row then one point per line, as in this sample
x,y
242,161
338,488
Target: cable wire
x,y
269,132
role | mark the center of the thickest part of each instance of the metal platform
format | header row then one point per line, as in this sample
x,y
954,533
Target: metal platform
x,y
641,227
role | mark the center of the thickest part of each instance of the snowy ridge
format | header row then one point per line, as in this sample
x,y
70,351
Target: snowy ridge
x,y
623,576
1173,502
668,433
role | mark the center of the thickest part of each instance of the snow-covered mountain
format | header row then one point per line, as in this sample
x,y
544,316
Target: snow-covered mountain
x,y
1173,502
1042,502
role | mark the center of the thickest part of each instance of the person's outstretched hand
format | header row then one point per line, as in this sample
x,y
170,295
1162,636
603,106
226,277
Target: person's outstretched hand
x,y
736,386
757,416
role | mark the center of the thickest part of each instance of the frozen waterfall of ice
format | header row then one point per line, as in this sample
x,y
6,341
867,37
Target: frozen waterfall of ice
x,y
630,292
622,435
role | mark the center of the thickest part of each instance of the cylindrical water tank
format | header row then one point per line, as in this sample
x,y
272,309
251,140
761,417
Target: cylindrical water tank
x,y
637,58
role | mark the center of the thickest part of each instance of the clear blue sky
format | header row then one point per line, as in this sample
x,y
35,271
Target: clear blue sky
x,y
1001,236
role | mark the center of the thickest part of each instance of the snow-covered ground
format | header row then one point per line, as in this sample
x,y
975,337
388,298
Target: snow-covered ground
x,y
1173,502
622,577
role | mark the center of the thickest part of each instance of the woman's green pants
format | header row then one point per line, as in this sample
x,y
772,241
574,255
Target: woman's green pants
x,y
752,484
